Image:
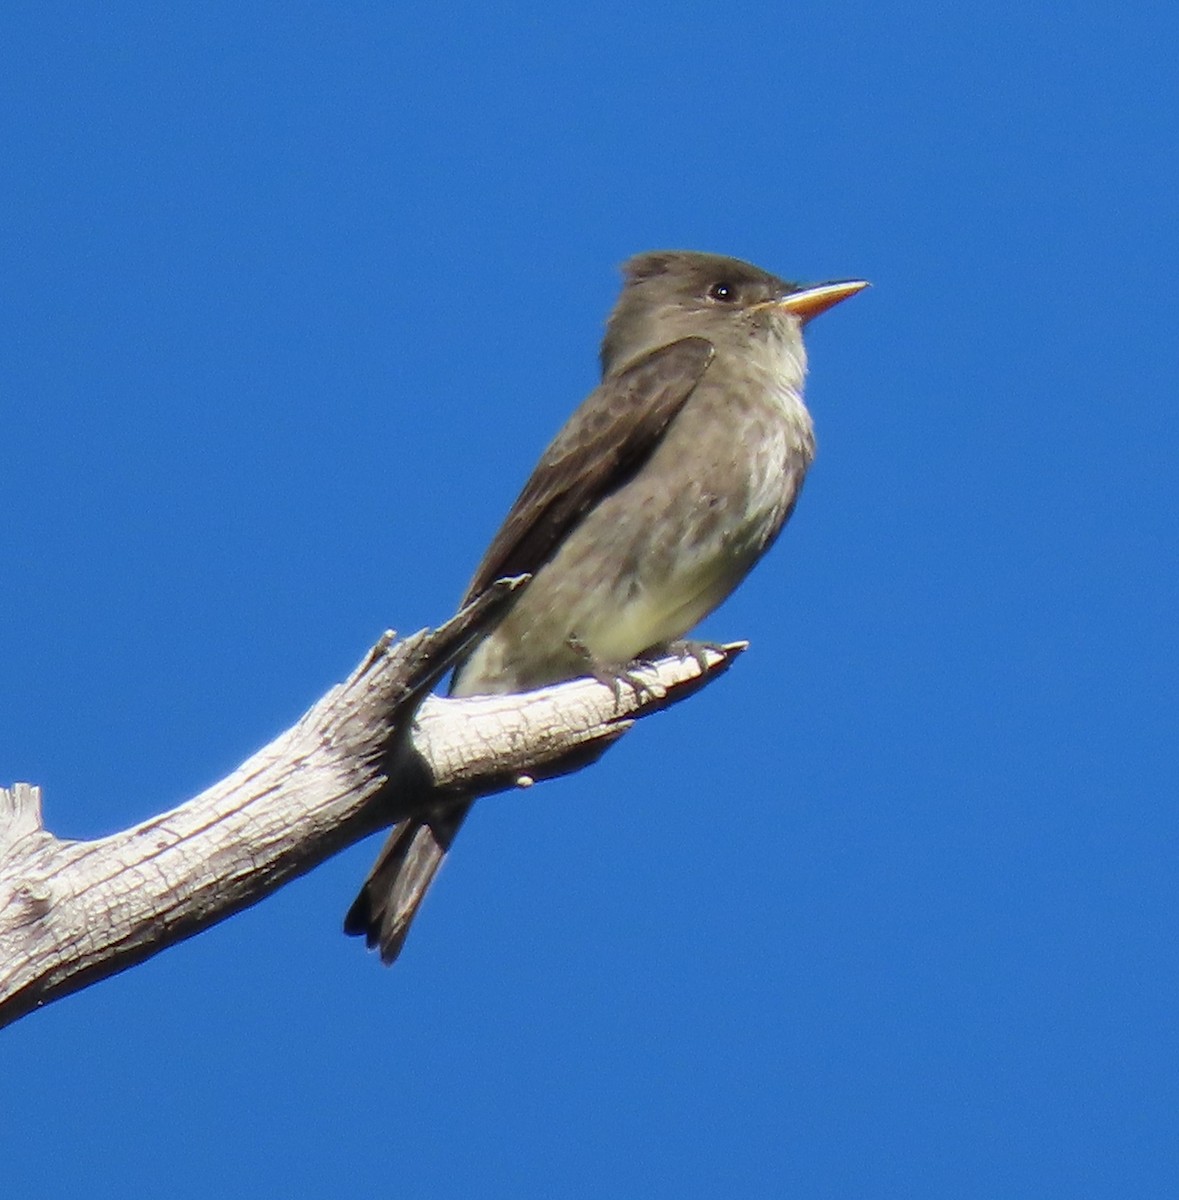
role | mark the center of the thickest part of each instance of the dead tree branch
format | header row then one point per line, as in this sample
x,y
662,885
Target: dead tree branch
x,y
375,748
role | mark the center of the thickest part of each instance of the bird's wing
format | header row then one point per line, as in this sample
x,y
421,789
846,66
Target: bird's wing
x,y
603,444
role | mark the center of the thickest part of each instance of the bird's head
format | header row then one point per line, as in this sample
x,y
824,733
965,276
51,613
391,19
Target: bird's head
x,y
673,294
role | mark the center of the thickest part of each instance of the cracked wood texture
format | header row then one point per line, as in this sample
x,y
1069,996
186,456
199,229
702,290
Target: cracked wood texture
x,y
373,749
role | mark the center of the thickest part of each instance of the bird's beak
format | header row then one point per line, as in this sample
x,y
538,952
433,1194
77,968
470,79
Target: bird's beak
x,y
811,301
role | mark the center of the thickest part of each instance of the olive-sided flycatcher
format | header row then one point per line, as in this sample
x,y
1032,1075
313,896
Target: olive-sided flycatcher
x,y
652,503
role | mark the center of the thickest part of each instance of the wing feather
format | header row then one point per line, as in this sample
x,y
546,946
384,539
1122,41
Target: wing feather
x,y
601,446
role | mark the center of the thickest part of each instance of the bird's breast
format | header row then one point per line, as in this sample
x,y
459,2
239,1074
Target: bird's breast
x,y
652,559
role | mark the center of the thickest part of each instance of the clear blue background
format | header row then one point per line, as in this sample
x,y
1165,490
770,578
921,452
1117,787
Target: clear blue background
x,y
890,910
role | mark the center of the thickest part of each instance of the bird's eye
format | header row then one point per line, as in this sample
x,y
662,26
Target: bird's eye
x,y
723,292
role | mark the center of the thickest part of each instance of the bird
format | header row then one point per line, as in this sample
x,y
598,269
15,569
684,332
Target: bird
x,y
652,503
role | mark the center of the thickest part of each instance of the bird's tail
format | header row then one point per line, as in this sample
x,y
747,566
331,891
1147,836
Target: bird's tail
x,y
400,878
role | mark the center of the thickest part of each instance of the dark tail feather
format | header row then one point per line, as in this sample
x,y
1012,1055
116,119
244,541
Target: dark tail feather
x,y
400,878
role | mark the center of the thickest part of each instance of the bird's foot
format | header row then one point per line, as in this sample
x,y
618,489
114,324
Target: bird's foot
x,y
698,651
613,676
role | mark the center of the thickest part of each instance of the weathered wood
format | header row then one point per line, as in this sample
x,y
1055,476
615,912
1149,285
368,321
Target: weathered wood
x,y
73,912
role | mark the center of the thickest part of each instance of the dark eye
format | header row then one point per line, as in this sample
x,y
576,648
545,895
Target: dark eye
x,y
722,292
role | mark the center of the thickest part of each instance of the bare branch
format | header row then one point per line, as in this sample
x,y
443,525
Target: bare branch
x,y
370,751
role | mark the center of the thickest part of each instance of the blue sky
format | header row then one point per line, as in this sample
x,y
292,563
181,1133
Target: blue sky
x,y
293,296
